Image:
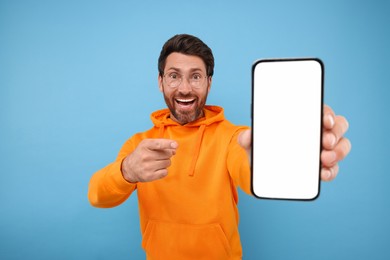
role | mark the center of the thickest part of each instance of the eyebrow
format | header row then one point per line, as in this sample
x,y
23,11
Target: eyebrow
x,y
179,70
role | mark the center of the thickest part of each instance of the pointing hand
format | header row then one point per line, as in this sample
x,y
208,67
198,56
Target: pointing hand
x,y
149,161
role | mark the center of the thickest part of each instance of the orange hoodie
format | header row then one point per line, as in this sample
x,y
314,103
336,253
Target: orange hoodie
x,y
191,213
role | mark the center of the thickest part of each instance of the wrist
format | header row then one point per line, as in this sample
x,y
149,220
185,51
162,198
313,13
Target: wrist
x,y
126,173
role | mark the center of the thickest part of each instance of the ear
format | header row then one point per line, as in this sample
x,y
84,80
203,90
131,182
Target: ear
x,y
209,81
160,82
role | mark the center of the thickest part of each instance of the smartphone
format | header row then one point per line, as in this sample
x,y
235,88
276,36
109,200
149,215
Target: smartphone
x,y
287,107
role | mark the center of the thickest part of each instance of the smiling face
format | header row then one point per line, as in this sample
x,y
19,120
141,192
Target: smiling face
x,y
184,101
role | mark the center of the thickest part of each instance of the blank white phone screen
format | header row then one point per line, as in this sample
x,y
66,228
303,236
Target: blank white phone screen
x,y
287,99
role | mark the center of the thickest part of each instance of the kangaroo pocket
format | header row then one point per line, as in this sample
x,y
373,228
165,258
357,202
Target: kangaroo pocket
x,y
162,240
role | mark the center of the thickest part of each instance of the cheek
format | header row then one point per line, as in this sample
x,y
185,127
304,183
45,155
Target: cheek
x,y
204,93
167,94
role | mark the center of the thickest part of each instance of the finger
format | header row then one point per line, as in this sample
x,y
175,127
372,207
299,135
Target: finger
x,y
342,149
155,170
329,140
328,158
328,118
331,157
340,127
161,144
160,174
331,137
161,169
162,154
156,175
245,139
162,164
328,174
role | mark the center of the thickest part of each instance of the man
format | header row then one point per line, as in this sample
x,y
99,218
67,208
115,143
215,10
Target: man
x,y
186,168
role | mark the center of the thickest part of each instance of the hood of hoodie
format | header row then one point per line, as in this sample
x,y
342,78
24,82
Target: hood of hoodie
x,y
212,114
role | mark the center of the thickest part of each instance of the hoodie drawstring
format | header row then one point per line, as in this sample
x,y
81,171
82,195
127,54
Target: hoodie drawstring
x,y
161,131
196,149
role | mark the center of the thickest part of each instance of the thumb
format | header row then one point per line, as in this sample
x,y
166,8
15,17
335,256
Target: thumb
x,y
245,139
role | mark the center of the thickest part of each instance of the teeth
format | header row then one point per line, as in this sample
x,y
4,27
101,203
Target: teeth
x,y
185,100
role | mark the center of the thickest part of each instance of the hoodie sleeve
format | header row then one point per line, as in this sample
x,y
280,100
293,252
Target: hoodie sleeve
x,y
107,187
238,164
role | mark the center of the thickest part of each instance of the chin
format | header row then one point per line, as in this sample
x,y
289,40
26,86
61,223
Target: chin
x,y
185,118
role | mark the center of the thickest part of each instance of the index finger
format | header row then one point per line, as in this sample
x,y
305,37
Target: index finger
x,y
162,144
328,118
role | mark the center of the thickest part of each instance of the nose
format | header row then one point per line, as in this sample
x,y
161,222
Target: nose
x,y
184,86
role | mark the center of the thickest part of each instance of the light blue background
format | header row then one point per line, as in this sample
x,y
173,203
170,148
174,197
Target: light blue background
x,y
77,78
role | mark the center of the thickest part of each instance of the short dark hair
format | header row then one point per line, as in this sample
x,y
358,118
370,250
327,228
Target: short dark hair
x,y
189,45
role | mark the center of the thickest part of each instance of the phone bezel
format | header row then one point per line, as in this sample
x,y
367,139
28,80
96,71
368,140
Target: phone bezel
x,y
321,124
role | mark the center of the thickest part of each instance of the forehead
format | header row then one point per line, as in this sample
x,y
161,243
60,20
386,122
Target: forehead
x,y
184,63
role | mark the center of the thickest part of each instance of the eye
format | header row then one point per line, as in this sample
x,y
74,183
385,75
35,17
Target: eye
x,y
174,75
196,77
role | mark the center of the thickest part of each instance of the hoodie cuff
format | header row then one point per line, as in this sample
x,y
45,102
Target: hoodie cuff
x,y
118,181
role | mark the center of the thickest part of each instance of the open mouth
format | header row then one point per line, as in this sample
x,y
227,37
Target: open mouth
x,y
185,101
